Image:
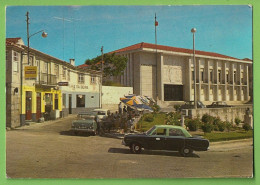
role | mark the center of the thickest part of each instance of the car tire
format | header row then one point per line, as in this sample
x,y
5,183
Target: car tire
x,y
136,148
186,151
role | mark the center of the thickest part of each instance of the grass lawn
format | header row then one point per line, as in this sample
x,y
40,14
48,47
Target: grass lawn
x,y
224,136
238,133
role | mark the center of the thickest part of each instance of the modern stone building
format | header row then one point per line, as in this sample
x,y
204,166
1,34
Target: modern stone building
x,y
167,74
45,86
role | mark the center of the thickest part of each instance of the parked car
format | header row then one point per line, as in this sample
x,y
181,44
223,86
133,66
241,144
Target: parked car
x,y
218,104
86,122
190,105
101,114
166,137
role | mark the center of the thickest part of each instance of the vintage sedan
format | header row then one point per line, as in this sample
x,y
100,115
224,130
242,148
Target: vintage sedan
x,y
218,104
86,122
166,137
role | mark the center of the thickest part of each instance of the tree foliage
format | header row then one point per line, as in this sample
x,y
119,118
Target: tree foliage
x,y
114,65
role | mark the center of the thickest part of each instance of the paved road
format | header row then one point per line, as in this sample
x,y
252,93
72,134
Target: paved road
x,y
48,150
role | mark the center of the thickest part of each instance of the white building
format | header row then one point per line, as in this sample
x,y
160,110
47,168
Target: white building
x,y
167,74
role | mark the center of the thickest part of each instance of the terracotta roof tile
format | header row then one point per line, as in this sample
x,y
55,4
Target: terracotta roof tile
x,y
169,48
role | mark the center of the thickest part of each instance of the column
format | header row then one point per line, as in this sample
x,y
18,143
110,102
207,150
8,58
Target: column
x,y
198,95
224,79
246,78
207,75
188,80
215,93
159,70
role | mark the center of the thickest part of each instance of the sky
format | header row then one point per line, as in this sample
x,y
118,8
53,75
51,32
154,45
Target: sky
x,y
222,29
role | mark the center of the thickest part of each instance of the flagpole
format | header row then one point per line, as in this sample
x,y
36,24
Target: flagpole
x,y
155,25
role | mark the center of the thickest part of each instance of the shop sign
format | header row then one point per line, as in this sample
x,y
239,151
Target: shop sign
x,y
30,71
63,83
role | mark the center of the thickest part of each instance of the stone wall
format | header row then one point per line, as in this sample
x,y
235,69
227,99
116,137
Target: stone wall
x,y
225,114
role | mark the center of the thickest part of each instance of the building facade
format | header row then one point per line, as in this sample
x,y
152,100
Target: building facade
x,y
44,86
167,74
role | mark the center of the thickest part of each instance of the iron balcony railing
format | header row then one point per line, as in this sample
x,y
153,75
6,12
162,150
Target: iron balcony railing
x,y
47,79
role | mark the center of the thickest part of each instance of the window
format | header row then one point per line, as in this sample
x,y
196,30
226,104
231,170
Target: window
x,y
15,66
160,131
93,79
64,72
235,76
15,56
175,132
242,77
80,100
80,78
56,70
46,67
219,75
68,74
202,75
227,76
192,75
211,75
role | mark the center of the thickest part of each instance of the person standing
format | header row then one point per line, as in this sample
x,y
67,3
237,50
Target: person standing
x,y
120,107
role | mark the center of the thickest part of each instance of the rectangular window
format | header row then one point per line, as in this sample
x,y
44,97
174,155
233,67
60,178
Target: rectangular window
x,y
219,75
80,100
15,66
56,70
211,75
64,72
242,77
235,76
93,79
15,56
202,75
81,78
227,76
68,74
192,75
45,67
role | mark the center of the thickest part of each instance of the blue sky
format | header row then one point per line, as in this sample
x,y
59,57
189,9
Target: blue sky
x,y
221,29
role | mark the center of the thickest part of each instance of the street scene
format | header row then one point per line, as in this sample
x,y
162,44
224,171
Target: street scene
x,y
50,150
128,93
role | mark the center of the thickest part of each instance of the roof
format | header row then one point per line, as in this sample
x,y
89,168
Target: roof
x,y
14,41
173,49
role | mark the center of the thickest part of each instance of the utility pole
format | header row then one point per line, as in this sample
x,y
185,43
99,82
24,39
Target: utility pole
x,y
28,37
101,80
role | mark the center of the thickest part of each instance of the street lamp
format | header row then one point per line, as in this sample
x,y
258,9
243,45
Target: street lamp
x,y
44,35
193,30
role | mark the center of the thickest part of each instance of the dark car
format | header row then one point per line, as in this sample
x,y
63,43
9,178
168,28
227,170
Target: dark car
x,y
190,105
166,137
218,104
86,122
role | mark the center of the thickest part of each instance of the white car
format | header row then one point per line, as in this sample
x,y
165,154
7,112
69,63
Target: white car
x,y
101,114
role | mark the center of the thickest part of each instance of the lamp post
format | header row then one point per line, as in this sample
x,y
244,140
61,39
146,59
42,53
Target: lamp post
x,y
44,35
193,30
101,80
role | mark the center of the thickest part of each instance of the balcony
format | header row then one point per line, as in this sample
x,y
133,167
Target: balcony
x,y
47,79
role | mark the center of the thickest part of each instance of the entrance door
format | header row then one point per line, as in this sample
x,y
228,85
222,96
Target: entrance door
x,y
70,104
38,106
28,105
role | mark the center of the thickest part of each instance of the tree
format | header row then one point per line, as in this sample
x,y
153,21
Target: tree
x,y
114,65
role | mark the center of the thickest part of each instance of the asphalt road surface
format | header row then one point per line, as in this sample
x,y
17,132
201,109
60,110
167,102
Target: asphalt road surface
x,y
49,150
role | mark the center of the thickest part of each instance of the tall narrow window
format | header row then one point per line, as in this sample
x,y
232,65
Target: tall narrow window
x,y
93,79
242,77
219,75
235,76
64,72
68,74
227,76
80,78
192,75
202,75
211,75
56,70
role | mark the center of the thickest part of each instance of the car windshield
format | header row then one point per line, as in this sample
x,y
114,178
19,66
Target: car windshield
x,y
148,132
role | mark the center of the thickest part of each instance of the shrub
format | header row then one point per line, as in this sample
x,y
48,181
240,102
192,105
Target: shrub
x,y
228,125
216,122
148,118
206,118
246,127
193,124
237,121
221,126
207,127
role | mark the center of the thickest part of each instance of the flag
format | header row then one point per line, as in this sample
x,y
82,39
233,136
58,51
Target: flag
x,y
156,23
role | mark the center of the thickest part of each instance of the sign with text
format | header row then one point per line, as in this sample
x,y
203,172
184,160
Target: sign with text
x,y
30,71
63,83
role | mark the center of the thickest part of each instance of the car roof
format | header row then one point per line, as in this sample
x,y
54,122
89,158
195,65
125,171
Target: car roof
x,y
187,134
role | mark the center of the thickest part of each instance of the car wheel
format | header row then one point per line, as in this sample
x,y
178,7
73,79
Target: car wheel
x,y
136,148
186,151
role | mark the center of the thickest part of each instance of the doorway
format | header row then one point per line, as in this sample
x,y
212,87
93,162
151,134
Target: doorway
x,y
38,106
70,104
28,105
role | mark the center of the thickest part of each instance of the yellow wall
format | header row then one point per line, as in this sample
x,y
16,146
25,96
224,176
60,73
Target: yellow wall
x,y
42,91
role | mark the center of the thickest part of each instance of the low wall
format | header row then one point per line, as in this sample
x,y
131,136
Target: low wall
x,y
225,114
111,96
